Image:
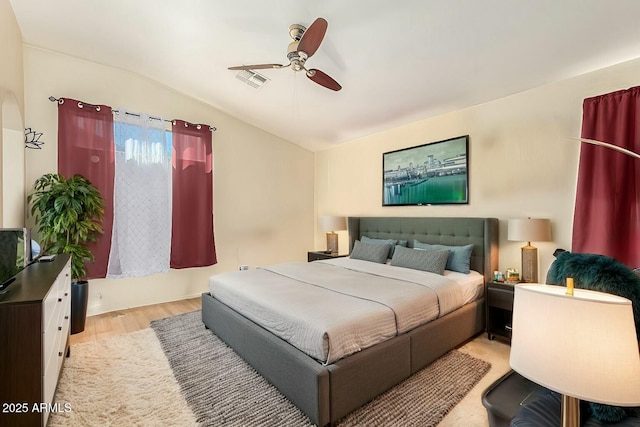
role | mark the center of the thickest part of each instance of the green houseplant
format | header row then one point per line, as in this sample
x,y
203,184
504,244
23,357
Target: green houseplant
x,y
68,215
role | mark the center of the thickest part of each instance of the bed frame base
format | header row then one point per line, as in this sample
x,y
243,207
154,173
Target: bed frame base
x,y
327,393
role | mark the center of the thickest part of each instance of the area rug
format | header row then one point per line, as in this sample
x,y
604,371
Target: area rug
x,y
123,380
128,380
222,390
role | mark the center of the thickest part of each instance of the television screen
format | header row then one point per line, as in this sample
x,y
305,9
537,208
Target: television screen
x,y
429,174
15,253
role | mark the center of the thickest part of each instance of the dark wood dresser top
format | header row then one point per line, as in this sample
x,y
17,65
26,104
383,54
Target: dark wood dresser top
x,y
33,283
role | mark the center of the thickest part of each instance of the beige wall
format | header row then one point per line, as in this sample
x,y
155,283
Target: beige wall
x,y
12,159
521,162
263,185
11,73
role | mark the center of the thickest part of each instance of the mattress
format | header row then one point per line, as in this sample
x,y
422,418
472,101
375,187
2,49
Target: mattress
x,y
471,284
333,308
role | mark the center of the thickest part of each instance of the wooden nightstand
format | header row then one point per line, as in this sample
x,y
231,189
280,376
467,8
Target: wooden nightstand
x,y
499,309
316,255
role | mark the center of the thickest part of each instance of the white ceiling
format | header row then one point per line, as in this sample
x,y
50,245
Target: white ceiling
x,y
397,61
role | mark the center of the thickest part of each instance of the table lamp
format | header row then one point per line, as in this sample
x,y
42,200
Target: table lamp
x,y
331,224
529,230
583,346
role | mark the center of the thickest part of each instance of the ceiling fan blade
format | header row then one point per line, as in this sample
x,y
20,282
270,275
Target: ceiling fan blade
x,y
323,79
256,67
312,38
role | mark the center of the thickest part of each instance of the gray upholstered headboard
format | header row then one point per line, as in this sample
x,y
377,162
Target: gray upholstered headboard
x,y
482,232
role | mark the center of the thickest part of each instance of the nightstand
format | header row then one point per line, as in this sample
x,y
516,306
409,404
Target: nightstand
x,y
499,309
316,255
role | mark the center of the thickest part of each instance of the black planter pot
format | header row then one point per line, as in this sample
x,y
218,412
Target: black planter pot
x,y
79,301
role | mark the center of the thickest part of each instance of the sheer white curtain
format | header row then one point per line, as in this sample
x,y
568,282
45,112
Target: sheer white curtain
x,y
141,238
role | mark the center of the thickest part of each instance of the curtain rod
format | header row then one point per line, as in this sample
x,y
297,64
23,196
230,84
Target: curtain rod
x,y
116,111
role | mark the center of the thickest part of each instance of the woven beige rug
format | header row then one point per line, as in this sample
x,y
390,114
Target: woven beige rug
x,y
128,380
120,381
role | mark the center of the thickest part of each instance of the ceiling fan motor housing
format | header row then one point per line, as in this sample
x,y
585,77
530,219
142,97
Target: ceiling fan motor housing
x,y
296,58
296,31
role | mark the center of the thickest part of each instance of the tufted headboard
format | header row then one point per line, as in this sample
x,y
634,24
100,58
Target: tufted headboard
x,y
452,231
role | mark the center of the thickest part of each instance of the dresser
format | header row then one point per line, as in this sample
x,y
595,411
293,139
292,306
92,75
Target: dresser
x,y
34,341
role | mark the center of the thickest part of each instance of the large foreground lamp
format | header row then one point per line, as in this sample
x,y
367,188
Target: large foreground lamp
x,y
583,346
529,230
331,224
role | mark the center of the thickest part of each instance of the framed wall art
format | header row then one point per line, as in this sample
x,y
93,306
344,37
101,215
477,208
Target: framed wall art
x,y
431,174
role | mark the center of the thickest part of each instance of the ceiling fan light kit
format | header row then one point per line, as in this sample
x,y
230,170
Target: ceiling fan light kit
x,y
305,43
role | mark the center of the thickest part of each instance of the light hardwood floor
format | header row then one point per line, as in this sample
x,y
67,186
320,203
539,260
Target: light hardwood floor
x,y
131,320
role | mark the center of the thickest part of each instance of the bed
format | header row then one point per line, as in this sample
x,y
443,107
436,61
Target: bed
x,y
328,391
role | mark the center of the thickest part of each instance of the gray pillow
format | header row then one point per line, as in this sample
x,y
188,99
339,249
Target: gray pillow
x,y
459,256
391,242
432,261
373,252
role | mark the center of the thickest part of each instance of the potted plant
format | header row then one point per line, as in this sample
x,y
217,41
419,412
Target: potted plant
x,y
68,215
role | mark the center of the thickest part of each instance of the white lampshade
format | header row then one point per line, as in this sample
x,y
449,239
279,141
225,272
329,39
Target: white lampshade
x,y
583,346
332,223
529,230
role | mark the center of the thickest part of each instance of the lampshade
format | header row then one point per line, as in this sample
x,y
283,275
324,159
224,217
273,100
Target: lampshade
x,y
583,346
332,223
529,230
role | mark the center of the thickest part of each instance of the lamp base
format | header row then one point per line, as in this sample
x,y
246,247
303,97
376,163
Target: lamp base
x,y
529,264
332,242
570,411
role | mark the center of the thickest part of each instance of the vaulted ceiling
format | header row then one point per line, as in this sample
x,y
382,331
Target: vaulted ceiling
x,y
397,61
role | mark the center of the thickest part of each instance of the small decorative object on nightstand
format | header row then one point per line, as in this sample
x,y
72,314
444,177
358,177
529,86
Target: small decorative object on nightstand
x,y
316,255
499,309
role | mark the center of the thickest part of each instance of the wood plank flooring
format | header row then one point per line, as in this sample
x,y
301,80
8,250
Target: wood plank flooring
x,y
131,320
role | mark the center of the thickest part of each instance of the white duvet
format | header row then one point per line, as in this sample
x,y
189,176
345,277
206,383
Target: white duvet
x,y
333,308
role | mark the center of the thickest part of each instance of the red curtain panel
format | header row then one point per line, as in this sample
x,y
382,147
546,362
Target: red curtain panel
x,y
192,239
86,147
607,210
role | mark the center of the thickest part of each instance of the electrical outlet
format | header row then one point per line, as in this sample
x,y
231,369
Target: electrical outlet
x,y
243,267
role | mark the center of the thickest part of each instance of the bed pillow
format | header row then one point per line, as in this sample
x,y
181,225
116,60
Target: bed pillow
x,y
391,242
433,261
373,252
459,256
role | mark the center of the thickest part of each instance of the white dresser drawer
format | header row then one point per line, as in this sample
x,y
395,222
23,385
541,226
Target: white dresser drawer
x,y
49,305
55,331
52,369
49,383
64,333
53,310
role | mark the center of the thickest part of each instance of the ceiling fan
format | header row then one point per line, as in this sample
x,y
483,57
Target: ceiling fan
x,y
305,43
